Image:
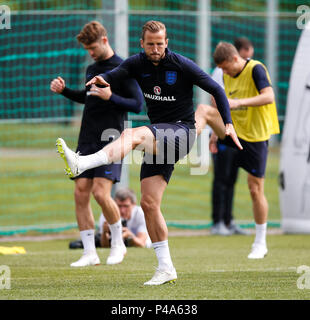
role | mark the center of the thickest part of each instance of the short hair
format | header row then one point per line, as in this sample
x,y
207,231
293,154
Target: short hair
x,y
124,194
242,43
224,51
153,26
91,33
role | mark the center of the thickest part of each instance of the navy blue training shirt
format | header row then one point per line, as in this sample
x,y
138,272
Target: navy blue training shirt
x,y
99,114
168,87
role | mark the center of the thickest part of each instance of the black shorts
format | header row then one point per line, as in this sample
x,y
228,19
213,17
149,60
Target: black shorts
x,y
253,157
175,140
111,171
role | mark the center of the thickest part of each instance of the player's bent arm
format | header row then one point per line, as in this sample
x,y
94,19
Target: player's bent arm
x,y
123,74
105,235
139,240
105,239
97,80
266,96
104,79
123,71
205,82
74,95
119,73
57,85
220,98
134,100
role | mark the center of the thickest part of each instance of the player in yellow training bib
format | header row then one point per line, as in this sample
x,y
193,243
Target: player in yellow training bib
x,y
254,115
252,123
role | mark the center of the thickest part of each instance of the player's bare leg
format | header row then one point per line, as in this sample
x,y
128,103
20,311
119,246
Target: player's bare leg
x,y
260,204
102,193
83,211
208,115
102,188
152,189
260,210
86,223
141,137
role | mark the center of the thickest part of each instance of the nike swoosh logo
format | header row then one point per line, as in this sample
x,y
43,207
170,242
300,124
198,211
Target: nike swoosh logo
x,y
144,75
232,92
108,172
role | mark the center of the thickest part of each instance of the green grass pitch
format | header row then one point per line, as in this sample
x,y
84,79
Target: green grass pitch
x,y
209,267
34,191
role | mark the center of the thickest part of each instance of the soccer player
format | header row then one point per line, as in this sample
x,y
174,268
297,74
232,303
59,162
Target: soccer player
x,y
167,80
104,109
225,166
254,114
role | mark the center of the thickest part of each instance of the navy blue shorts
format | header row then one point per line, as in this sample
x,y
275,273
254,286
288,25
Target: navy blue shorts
x,y
111,171
174,141
253,157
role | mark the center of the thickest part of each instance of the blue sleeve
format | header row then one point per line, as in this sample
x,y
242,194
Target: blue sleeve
x,y
121,72
75,95
259,76
133,103
205,82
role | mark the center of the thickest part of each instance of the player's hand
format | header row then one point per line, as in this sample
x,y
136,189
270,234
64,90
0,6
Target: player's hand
x,y
234,103
213,143
126,233
106,227
97,80
103,93
230,131
58,85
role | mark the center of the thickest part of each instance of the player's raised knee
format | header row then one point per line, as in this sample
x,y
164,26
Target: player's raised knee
x,y
203,110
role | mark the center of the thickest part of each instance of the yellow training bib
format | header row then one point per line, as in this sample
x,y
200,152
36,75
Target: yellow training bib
x,y
252,124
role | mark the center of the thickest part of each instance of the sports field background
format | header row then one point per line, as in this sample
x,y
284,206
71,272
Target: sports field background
x,y
41,45
35,191
36,198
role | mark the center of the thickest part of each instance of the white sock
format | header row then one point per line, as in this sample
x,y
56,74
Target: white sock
x,y
116,233
94,160
261,230
163,255
88,239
